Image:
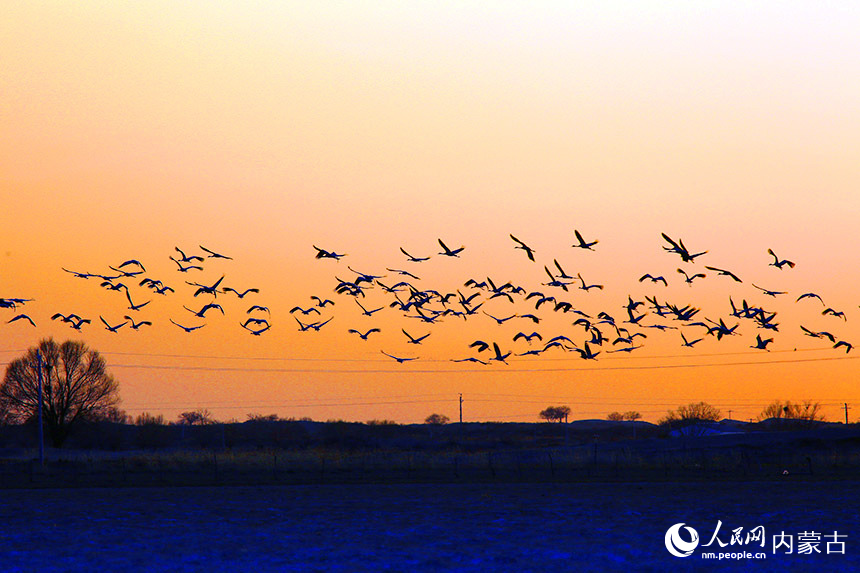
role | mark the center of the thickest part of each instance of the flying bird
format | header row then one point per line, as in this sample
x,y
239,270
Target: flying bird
x,y
725,273
404,273
449,252
186,268
131,304
761,344
653,279
257,332
469,359
214,255
185,259
527,337
690,278
836,313
521,245
301,310
262,309
562,275
186,328
810,295
847,345
582,243
321,302
499,357
137,325
366,312
364,335
324,254
200,313
777,262
690,343
681,249
240,294
412,339
412,259
22,317
587,287
112,328
772,293
397,358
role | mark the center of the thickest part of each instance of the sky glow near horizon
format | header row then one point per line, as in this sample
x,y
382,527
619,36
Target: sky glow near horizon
x,y
261,129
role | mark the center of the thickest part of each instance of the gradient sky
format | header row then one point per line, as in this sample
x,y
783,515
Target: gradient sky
x,y
261,129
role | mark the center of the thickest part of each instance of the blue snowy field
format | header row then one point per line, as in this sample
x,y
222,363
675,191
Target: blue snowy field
x,y
456,527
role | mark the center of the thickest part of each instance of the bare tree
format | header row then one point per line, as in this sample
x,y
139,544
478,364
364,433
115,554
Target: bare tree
x,y
632,415
807,410
75,387
436,419
198,417
147,419
263,417
555,413
615,416
690,413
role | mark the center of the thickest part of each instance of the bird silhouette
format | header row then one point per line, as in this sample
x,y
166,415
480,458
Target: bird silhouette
x,y
398,358
131,304
265,309
412,259
469,359
137,325
725,273
582,243
201,313
690,278
259,331
363,335
321,302
302,310
587,287
241,294
450,252
187,328
110,327
521,245
185,268
213,254
810,295
499,357
324,254
653,279
21,317
681,250
186,259
366,312
412,339
777,262
772,293
761,344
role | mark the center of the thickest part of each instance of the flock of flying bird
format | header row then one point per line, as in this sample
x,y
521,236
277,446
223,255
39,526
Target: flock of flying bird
x,y
600,331
131,280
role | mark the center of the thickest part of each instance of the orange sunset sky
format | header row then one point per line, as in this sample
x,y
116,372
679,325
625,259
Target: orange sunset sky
x,y
260,129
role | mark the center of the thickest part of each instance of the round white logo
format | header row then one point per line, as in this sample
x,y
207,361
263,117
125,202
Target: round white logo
x,y
679,547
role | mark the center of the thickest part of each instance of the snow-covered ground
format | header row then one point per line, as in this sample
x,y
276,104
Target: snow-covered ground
x,y
477,527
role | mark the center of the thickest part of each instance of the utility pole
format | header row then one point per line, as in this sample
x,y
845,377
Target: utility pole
x,y
846,412
461,408
730,414
41,430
